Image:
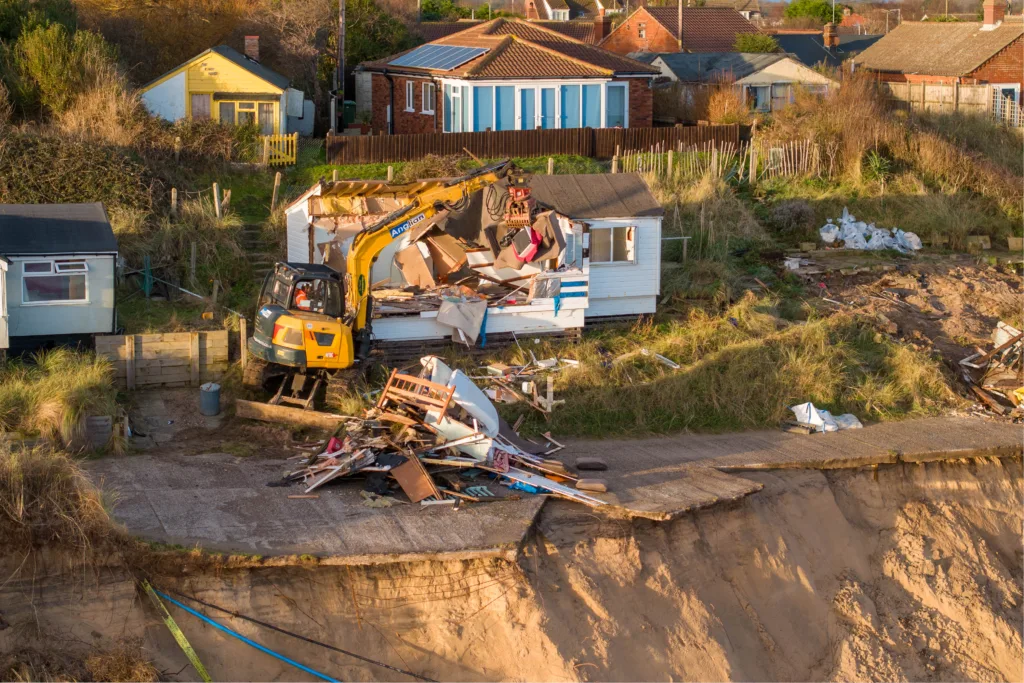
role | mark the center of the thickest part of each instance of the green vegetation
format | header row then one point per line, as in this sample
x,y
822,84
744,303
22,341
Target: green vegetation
x,y
51,395
448,10
819,10
755,42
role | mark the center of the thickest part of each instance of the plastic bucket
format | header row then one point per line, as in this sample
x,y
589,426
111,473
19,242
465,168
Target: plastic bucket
x,y
209,399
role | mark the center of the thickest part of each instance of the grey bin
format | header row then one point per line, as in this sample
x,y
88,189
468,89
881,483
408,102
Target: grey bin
x,y
209,399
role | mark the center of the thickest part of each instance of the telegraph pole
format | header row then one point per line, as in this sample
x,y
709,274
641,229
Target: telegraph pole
x,y
338,101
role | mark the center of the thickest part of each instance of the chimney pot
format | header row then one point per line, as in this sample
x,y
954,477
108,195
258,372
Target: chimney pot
x,y
994,11
252,48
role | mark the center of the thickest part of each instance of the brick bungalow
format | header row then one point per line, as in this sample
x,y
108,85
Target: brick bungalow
x,y
969,53
506,74
656,29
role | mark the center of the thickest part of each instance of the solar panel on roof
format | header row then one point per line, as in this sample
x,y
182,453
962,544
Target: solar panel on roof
x,y
438,57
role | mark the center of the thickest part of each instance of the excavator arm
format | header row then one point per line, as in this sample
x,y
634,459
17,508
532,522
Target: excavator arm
x,y
368,244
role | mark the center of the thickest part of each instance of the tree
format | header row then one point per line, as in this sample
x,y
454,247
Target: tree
x,y
20,16
443,10
819,10
755,42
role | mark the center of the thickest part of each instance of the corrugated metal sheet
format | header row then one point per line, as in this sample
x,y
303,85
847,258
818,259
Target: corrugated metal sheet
x,y
938,48
608,195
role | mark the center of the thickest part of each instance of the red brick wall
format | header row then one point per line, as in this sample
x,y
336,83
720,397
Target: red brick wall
x,y
914,78
405,121
641,102
1007,66
626,36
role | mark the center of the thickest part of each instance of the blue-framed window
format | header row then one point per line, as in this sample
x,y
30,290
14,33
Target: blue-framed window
x,y
505,107
483,108
615,106
527,110
570,106
592,106
547,108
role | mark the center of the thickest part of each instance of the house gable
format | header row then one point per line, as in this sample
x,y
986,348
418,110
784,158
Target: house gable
x,y
211,71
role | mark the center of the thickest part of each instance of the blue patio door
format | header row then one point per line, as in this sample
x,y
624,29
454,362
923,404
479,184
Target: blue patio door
x,y
527,109
547,108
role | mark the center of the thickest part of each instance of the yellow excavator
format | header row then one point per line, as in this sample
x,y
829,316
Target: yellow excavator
x,y
312,321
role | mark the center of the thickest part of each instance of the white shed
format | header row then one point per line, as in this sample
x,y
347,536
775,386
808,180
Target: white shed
x,y
613,247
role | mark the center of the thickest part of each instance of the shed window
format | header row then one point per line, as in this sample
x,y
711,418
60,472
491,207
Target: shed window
x,y
47,282
613,245
266,119
782,94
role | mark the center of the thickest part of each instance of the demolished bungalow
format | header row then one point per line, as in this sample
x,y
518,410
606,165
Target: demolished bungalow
x,y
593,249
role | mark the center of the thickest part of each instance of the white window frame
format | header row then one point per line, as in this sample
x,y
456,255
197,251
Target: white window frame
x,y
410,95
429,93
634,238
537,86
55,270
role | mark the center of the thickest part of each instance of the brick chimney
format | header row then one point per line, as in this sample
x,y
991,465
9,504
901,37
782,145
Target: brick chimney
x,y
531,10
994,11
252,48
602,26
830,36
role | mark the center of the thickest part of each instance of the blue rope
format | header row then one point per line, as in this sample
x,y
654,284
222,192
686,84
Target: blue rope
x,y
245,640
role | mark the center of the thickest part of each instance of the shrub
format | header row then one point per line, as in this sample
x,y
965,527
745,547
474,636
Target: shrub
x,y
818,10
793,218
755,42
725,105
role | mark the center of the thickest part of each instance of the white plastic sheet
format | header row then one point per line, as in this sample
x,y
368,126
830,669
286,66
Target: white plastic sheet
x,y
467,394
823,420
860,235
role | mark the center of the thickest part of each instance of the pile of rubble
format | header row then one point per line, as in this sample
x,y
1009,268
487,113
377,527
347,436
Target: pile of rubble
x,y
996,377
860,235
438,438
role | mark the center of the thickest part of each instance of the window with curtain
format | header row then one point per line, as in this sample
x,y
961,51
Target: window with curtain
x,y
410,98
547,108
505,107
200,106
46,282
447,104
483,108
227,113
615,106
760,96
782,94
570,106
591,106
266,112
527,112
428,98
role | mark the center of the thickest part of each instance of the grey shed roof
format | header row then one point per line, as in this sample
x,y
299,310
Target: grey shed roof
x,y
957,48
38,229
606,195
810,50
702,67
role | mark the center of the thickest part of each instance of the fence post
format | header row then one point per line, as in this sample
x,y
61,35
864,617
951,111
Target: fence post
x,y
266,150
334,175
192,266
174,202
177,149
243,336
671,165
277,186
216,199
391,173
551,166
129,360
615,164
193,358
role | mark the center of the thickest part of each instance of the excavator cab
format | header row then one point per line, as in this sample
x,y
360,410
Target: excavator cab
x,y
300,330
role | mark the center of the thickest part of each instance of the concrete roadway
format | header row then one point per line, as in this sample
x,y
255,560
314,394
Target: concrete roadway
x,y
221,502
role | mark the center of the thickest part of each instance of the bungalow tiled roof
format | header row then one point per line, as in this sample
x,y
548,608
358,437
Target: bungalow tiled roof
x,y
705,29
520,49
965,46
582,31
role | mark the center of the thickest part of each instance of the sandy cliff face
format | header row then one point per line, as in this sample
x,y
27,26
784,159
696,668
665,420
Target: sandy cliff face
x,y
910,572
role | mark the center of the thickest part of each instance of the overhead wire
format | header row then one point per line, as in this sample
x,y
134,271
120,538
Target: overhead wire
x,y
296,635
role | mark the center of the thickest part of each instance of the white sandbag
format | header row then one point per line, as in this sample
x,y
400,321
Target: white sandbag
x,y
829,232
821,419
848,421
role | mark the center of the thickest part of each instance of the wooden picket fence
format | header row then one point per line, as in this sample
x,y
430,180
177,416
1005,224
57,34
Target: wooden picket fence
x,y
280,150
172,359
599,143
752,161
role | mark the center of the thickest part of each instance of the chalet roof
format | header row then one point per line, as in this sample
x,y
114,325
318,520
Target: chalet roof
x,y
705,29
809,48
704,67
956,48
606,195
521,49
39,229
233,55
738,5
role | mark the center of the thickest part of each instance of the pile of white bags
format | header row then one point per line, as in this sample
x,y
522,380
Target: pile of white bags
x,y
860,235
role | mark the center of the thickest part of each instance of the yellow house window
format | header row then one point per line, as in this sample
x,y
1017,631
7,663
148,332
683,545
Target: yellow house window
x,y
247,113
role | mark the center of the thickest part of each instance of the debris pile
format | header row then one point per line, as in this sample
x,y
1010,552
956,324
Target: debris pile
x,y
860,235
996,377
438,438
810,419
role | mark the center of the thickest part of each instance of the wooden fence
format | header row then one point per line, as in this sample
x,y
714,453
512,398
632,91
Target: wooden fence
x,y
599,143
750,161
174,359
280,150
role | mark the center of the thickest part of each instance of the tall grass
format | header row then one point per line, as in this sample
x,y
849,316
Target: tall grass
x,y
46,500
51,395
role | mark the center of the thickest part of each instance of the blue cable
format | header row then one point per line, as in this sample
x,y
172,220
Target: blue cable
x,y
245,640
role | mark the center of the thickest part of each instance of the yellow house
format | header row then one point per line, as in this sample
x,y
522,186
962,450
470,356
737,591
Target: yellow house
x,y
224,85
